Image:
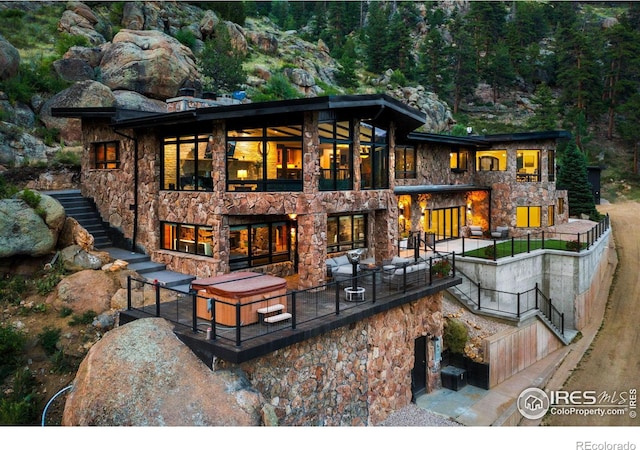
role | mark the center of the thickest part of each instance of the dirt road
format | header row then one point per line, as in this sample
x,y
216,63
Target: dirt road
x,y
612,364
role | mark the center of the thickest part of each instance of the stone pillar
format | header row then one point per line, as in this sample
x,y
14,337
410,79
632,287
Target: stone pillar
x,y
312,249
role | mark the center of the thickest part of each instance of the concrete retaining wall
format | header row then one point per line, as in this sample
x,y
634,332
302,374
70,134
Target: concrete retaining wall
x,y
569,279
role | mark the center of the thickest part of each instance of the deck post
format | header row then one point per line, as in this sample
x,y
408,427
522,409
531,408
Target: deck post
x,y
157,287
129,292
238,325
194,313
293,310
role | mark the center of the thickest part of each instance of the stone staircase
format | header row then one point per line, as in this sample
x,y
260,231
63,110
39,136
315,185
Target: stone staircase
x,y
85,212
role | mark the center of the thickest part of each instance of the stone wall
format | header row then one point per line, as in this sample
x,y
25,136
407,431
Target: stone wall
x,y
352,376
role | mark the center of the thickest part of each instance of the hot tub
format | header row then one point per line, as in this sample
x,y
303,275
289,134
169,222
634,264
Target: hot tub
x,y
242,288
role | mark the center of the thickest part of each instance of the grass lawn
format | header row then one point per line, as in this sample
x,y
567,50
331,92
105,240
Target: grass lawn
x,y
504,249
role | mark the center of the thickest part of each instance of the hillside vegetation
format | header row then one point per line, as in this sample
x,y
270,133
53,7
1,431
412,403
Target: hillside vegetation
x,y
501,66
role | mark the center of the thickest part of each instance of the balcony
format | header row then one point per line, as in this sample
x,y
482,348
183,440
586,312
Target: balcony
x,y
237,331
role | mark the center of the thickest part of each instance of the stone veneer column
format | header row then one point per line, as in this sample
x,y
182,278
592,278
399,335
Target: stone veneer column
x,y
312,249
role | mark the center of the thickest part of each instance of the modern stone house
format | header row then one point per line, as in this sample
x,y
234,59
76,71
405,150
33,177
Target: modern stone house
x,y
279,187
447,183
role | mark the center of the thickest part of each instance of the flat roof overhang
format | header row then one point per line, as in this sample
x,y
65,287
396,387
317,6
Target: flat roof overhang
x,y
486,141
375,109
438,189
433,138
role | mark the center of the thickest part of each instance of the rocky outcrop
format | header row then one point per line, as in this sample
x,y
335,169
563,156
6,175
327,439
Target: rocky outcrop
x,y
81,95
18,147
75,234
439,116
75,258
27,231
9,60
78,25
87,290
140,374
148,62
73,69
138,102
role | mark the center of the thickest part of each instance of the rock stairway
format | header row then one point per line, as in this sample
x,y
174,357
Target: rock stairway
x,y
85,212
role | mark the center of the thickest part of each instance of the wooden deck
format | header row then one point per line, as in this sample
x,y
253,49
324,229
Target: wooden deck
x,y
314,312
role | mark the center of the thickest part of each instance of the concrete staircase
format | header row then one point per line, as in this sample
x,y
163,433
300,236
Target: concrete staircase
x,y
85,212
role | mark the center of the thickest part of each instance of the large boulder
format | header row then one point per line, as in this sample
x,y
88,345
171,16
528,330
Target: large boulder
x,y
138,102
87,290
90,55
141,374
75,24
82,94
18,147
148,62
26,231
75,258
75,234
73,69
9,60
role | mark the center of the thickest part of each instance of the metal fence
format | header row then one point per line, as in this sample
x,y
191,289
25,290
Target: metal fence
x,y
495,249
239,322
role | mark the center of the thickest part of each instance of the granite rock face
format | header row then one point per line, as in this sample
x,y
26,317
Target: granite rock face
x,y
148,62
141,374
25,231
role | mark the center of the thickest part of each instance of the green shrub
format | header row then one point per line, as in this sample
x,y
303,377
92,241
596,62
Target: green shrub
x,y
12,288
19,406
7,190
398,78
67,159
84,319
455,336
12,343
66,311
30,197
65,41
441,268
63,363
49,338
186,38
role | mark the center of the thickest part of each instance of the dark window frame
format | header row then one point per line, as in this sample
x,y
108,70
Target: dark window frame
x,y
378,158
351,244
196,182
104,163
336,181
462,160
252,259
404,172
264,183
177,241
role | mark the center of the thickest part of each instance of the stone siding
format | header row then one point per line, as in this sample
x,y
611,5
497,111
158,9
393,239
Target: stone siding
x,y
356,375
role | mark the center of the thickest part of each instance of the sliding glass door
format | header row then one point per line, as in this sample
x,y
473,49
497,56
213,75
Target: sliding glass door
x,y
447,222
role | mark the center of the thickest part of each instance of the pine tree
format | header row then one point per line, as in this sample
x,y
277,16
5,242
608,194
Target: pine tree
x,y
434,63
546,116
220,65
376,37
573,176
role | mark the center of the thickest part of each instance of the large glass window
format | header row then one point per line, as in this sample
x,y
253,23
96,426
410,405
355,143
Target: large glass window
x,y
405,161
491,160
259,244
265,159
106,155
187,163
528,165
195,239
336,156
459,160
374,157
551,215
528,216
346,232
